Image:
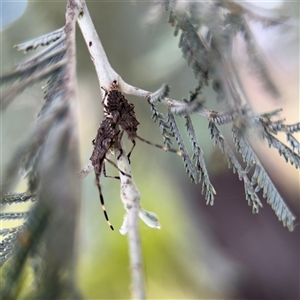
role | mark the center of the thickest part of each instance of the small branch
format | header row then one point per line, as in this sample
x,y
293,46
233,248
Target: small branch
x,y
105,73
130,197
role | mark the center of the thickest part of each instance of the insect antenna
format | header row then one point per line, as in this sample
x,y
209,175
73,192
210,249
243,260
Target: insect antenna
x,y
160,147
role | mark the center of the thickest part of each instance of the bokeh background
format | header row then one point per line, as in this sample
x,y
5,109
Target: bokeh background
x,y
201,252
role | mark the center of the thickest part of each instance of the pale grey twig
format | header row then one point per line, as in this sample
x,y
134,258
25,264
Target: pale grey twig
x,y
130,196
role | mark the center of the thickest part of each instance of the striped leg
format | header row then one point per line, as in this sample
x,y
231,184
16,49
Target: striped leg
x,y
101,198
111,162
128,156
160,147
97,174
107,176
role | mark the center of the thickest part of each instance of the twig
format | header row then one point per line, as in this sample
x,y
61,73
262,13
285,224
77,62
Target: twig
x,y
105,73
130,197
129,193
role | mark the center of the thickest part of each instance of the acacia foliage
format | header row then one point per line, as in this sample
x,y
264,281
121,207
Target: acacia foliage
x,y
206,33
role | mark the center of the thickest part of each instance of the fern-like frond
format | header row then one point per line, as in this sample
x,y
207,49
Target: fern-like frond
x,y
293,142
26,71
49,62
275,126
7,245
293,127
193,50
159,94
163,125
262,179
9,94
45,53
273,197
7,231
257,61
42,40
223,118
16,198
31,145
244,148
267,128
268,115
200,165
7,249
190,169
27,239
49,157
186,108
265,120
283,150
251,195
11,216
156,115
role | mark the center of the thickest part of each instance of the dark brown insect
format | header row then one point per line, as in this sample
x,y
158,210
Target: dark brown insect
x,y
122,112
118,111
105,139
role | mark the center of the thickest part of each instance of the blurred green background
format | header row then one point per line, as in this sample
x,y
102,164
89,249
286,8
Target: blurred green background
x,y
200,252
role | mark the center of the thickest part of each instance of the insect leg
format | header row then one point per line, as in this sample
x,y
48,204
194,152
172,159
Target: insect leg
x,y
119,139
105,95
104,173
133,142
111,162
102,200
160,147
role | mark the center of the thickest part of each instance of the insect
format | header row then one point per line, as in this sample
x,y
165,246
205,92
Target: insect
x,y
105,139
118,111
122,112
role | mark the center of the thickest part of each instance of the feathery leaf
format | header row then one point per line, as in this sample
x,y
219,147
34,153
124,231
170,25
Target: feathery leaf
x,y
7,231
283,150
261,178
293,127
163,125
26,71
42,40
38,76
159,94
223,118
186,108
31,145
20,248
16,198
190,169
55,47
207,187
251,195
293,142
257,60
11,216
